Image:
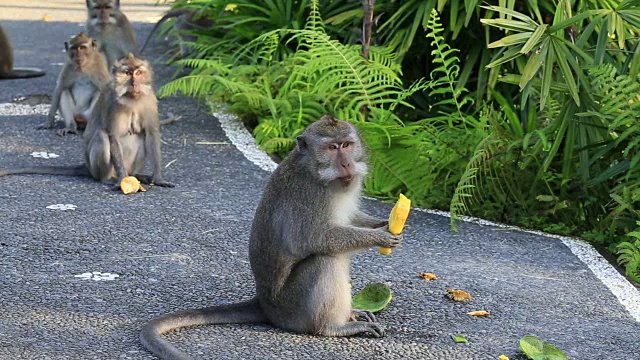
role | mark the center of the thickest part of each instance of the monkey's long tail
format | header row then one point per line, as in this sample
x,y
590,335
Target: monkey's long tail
x,y
167,16
77,170
239,313
22,73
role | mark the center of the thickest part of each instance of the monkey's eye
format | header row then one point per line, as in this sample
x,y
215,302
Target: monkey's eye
x,y
333,146
138,72
129,73
345,145
83,47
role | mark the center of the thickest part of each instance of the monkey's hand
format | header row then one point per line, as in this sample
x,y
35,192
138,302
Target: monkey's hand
x,y
46,125
367,221
364,315
388,240
65,131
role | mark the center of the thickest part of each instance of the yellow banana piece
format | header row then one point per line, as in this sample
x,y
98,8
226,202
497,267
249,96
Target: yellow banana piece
x,y
397,218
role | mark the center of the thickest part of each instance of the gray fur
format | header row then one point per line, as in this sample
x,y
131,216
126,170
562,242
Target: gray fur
x,y
300,246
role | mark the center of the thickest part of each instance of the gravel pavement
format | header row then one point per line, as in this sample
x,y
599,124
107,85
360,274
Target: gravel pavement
x,y
80,283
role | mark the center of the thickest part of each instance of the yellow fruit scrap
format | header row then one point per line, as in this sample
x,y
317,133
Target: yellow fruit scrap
x,y
428,276
459,295
397,218
478,313
503,357
131,185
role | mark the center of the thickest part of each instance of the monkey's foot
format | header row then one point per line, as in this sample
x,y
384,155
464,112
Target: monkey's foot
x,y
365,315
65,131
356,327
163,183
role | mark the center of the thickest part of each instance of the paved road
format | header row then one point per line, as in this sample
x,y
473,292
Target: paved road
x,y
187,247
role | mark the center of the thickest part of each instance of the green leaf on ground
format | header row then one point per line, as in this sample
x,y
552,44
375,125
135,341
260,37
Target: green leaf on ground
x,y
459,339
538,349
374,297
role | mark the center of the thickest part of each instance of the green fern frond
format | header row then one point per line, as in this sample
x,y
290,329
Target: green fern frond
x,y
629,255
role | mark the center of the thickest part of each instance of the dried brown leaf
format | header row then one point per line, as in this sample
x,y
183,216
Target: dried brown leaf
x,y
459,295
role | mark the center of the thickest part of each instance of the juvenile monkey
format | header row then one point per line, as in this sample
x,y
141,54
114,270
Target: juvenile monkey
x,y
83,77
7,71
110,27
122,131
305,229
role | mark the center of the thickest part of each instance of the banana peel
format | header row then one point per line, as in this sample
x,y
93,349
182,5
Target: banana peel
x,y
397,219
131,185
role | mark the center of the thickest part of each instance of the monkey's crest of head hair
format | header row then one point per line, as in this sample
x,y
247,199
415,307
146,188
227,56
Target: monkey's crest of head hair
x,y
129,63
81,38
330,126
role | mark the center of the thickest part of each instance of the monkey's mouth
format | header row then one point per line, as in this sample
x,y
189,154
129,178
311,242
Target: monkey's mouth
x,y
346,180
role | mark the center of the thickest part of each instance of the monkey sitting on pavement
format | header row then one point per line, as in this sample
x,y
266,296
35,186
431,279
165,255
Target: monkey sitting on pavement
x,y
122,131
83,77
306,227
7,71
111,28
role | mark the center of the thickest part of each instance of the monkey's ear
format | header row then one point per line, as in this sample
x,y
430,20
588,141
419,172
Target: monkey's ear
x,y
66,46
94,44
302,143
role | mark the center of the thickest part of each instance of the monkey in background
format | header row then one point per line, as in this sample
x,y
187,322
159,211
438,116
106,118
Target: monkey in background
x,y
306,227
7,71
122,131
110,27
83,77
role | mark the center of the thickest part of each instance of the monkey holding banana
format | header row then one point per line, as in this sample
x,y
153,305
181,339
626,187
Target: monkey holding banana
x,y
306,227
84,76
122,131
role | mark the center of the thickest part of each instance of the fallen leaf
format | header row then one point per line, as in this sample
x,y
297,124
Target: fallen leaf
x,y
458,295
459,339
428,276
536,348
479,313
503,357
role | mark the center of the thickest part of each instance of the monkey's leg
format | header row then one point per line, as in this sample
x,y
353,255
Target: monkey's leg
x,y
98,157
152,145
67,110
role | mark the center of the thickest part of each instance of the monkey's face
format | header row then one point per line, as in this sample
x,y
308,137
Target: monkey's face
x,y
101,11
132,78
338,152
81,48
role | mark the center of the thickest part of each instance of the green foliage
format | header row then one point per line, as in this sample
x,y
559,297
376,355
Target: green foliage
x,y
522,112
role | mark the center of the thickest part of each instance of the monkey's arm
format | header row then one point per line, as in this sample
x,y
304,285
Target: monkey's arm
x,y
152,145
341,239
367,221
116,128
55,103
